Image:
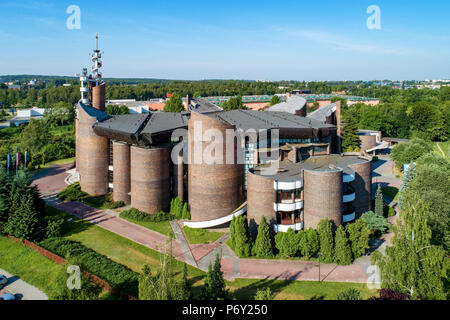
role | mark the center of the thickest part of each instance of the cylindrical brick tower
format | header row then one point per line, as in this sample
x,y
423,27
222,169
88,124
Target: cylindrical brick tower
x,y
261,196
121,173
92,156
150,178
178,175
98,97
322,197
362,186
367,142
215,190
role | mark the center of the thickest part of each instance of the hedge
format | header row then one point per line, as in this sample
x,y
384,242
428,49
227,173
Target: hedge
x,y
117,275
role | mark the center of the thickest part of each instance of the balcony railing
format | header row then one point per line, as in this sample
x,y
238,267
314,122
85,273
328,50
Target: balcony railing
x,y
279,185
348,197
348,178
287,207
348,217
284,228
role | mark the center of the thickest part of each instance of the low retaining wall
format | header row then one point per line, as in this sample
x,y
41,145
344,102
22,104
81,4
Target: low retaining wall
x,y
59,260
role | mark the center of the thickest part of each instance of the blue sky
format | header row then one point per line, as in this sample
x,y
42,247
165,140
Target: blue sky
x,y
273,40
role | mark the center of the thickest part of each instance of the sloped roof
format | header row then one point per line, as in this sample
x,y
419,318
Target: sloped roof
x,y
292,105
322,113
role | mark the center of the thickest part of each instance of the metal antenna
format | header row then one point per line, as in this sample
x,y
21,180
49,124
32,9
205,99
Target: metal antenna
x,y
96,41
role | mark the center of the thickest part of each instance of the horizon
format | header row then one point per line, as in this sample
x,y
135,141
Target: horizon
x,y
248,41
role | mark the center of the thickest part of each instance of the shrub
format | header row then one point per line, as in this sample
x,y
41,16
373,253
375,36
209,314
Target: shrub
x,y
375,222
114,273
359,237
54,228
215,287
287,243
309,243
264,294
241,237
350,294
325,231
73,193
342,250
137,215
263,243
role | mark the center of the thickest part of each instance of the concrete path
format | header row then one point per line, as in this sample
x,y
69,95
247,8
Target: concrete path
x,y
22,289
179,235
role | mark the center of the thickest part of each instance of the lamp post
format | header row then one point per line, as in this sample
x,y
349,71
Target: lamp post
x,y
319,264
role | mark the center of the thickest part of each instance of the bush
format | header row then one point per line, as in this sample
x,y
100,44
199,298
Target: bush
x,y
325,231
309,243
73,193
115,274
342,250
288,243
263,243
137,215
54,228
359,237
264,294
179,209
350,294
241,238
375,222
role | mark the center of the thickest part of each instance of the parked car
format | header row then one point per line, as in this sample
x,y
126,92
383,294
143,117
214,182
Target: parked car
x,y
3,281
7,296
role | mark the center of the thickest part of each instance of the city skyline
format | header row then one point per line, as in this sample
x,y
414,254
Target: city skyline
x,y
263,40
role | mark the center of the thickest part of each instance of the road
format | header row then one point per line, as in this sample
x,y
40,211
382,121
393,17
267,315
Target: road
x,y
24,290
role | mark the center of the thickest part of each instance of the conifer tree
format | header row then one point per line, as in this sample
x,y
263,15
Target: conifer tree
x,y
379,203
184,214
342,250
325,231
309,243
232,232
263,243
242,238
350,139
214,287
359,235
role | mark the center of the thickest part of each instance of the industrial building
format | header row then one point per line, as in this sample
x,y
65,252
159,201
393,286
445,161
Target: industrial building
x,y
147,159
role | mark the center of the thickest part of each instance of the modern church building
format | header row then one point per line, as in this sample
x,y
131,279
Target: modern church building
x,y
278,163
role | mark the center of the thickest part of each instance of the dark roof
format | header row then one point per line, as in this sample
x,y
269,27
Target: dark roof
x,y
93,112
141,128
265,120
289,171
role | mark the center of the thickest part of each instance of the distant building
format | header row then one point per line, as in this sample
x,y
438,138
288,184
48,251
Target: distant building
x,y
24,116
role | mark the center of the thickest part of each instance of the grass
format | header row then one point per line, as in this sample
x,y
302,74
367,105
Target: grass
x,y
195,236
244,289
115,247
101,202
391,192
162,227
31,266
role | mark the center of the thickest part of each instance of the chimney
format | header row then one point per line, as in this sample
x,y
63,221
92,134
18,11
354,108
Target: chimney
x,y
188,102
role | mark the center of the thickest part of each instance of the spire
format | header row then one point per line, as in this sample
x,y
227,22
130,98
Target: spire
x,y
96,41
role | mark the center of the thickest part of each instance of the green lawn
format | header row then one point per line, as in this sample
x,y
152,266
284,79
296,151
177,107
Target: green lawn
x,y
162,227
115,247
31,266
101,202
195,236
391,192
295,290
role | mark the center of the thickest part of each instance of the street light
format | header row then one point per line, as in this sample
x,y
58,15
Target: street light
x,y
319,264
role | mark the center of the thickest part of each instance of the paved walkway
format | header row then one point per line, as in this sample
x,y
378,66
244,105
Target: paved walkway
x,y
51,181
22,289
